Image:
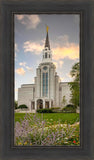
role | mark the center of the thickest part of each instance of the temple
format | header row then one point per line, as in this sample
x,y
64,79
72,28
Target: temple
x,y
47,91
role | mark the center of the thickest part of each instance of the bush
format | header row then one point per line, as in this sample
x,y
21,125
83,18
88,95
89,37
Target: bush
x,y
69,109
71,105
56,108
22,106
46,110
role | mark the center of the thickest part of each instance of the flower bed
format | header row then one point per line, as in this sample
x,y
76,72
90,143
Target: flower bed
x,y
34,130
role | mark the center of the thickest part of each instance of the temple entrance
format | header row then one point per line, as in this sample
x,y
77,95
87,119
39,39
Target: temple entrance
x,y
39,104
47,104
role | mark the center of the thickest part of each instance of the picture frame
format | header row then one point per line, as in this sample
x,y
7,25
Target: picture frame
x,y
85,150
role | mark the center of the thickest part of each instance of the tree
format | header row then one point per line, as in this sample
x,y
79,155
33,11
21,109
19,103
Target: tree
x,y
75,72
16,104
74,86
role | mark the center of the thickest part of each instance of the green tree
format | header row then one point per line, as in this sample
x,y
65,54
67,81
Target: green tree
x,y
75,72
74,86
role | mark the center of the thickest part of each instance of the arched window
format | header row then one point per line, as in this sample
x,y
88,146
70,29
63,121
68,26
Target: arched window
x,y
45,84
45,54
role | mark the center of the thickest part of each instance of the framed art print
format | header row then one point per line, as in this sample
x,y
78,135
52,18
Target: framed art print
x,y
47,80
47,111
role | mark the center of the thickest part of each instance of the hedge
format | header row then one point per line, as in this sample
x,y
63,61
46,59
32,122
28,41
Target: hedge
x,y
69,109
46,110
22,106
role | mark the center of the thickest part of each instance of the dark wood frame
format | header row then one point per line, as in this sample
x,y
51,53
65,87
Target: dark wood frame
x,y
7,148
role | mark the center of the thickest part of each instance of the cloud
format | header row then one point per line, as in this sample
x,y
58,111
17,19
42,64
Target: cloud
x,y
58,64
22,64
70,51
20,71
29,68
34,47
63,40
20,17
65,49
30,21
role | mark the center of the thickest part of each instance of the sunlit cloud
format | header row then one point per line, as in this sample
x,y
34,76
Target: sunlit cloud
x,y
65,49
29,68
58,64
71,52
33,47
22,64
20,71
30,21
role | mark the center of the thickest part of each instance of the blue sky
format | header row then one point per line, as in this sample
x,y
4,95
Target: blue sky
x,y
30,34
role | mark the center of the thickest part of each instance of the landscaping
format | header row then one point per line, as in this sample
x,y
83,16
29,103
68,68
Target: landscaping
x,y
47,129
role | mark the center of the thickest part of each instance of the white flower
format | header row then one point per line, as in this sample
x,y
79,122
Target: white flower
x,y
66,142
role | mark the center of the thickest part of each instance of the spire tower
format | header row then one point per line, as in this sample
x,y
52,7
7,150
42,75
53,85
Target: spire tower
x,y
47,56
47,44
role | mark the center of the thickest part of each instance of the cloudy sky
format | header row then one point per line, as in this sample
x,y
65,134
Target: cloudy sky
x,y
30,34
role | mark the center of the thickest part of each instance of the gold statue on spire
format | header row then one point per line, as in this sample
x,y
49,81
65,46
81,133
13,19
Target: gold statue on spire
x,y
47,28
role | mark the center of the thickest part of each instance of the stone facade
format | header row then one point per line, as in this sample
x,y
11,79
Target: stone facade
x,y
47,91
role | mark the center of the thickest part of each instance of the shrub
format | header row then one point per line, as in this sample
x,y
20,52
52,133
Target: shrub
x,y
71,105
56,108
22,106
69,109
46,110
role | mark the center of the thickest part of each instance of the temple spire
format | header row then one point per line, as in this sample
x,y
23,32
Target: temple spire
x,y
47,44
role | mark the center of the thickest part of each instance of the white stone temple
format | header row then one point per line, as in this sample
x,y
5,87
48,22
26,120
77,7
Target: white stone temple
x,y
47,91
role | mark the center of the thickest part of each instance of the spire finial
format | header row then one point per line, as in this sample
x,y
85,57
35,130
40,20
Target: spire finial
x,y
47,28
47,44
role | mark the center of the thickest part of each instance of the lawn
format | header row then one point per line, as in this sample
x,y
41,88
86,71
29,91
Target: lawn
x,y
69,118
47,129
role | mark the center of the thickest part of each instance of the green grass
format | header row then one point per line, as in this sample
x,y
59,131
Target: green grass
x,y
53,117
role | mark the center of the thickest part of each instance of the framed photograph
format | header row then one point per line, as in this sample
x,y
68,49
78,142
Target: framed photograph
x,y
50,101
47,68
